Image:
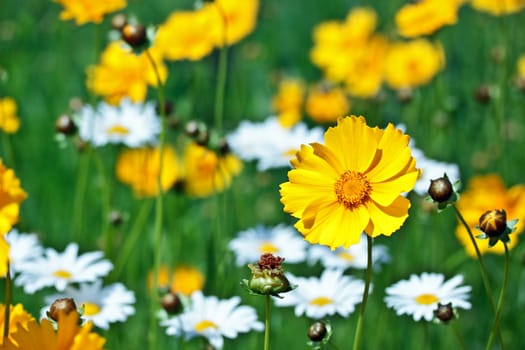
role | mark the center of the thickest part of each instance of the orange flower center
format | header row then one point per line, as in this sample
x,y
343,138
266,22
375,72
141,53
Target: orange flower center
x,y
426,299
352,189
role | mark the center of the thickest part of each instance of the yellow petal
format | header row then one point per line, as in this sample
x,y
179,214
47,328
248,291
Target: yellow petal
x,y
384,193
387,220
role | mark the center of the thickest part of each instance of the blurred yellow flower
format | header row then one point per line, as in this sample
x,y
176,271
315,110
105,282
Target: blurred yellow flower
x,y
326,103
68,336
83,11
4,256
184,279
121,73
205,172
18,318
414,63
240,18
338,194
139,168
9,121
11,195
426,16
485,193
288,101
498,7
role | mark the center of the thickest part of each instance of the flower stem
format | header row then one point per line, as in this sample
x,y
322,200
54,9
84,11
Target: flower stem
x,y
221,77
267,324
501,299
106,206
368,278
7,303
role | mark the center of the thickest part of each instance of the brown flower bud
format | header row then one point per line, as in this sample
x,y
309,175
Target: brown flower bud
x,y
440,189
192,128
63,305
482,94
115,218
317,331
65,125
223,147
444,312
493,222
171,303
134,35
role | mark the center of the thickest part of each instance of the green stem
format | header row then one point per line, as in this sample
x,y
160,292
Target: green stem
x,y
458,337
107,233
8,150
221,77
501,299
7,303
267,324
368,278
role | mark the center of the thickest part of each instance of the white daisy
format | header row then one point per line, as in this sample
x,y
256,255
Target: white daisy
x,y
59,270
101,305
353,257
319,297
419,295
134,125
23,247
268,142
280,240
214,319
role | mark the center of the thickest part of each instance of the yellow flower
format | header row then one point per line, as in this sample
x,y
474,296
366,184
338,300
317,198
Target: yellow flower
x,y
426,16
139,168
69,335
9,122
121,73
205,172
486,193
83,11
240,18
18,319
498,7
11,195
412,64
325,103
4,256
289,101
184,279
350,184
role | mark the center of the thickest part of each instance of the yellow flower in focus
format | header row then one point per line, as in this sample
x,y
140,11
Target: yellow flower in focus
x,y
412,64
121,73
18,318
289,101
205,172
139,168
11,195
9,121
240,18
337,194
68,336
325,103
426,16
487,193
84,11
498,7
184,279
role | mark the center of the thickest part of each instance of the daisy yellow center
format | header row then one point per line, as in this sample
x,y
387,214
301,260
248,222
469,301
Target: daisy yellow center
x,y
62,274
205,324
90,309
346,256
352,189
268,247
426,299
321,301
118,129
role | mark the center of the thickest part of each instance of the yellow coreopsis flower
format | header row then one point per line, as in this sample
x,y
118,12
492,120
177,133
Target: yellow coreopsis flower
x,y
18,319
498,7
338,194
206,172
68,336
84,11
288,101
184,279
487,193
412,64
325,103
139,168
121,73
11,195
236,19
9,121
426,17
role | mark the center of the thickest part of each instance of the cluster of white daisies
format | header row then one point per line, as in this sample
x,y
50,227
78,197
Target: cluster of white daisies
x,y
72,275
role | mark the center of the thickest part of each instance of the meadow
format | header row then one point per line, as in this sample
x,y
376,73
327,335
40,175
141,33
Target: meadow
x,y
469,113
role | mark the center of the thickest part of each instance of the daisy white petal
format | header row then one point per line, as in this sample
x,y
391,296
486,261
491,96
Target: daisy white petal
x,y
23,247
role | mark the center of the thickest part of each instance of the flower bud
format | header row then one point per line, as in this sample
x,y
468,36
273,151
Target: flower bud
x,y
482,94
444,312
317,331
493,222
65,125
63,305
134,35
171,303
115,218
268,277
440,189
405,95
192,128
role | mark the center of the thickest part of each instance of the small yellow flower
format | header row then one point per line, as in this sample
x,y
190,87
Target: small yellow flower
x,y
139,168
84,11
11,195
121,73
205,172
426,16
18,319
325,103
485,193
498,7
337,194
183,279
288,102
239,18
9,122
412,64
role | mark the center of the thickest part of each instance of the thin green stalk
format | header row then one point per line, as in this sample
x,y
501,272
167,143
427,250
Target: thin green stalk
x,y
107,233
501,300
458,337
7,303
9,158
221,77
368,278
267,324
